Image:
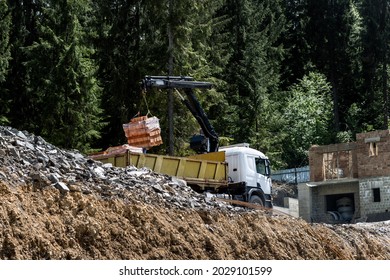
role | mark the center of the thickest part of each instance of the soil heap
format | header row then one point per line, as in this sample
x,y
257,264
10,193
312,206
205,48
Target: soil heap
x,y
58,204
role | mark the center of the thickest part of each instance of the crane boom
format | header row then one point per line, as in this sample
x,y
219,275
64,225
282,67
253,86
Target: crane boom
x,y
209,142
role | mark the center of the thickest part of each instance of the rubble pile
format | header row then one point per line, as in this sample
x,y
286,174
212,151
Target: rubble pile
x,y
29,159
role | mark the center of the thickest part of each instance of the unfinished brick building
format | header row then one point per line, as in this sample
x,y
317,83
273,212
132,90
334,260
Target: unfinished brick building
x,y
349,182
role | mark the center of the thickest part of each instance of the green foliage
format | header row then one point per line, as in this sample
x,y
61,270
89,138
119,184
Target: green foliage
x,y
252,74
192,26
344,137
295,42
60,83
375,41
5,24
5,56
354,118
69,67
133,42
118,55
308,118
333,25
22,112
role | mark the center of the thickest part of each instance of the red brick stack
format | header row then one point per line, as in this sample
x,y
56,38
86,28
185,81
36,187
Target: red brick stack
x,y
143,132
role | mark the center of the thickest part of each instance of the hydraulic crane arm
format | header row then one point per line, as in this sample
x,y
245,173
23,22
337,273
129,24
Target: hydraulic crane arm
x,y
188,84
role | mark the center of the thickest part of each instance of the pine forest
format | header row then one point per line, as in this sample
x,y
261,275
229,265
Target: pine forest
x,y
286,74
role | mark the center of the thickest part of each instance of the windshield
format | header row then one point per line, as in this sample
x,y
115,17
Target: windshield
x,y
262,167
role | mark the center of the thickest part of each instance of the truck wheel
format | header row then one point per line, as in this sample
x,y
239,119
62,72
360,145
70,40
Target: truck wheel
x,y
255,199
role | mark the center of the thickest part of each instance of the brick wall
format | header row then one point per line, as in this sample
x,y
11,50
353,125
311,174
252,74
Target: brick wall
x,y
333,161
369,156
373,153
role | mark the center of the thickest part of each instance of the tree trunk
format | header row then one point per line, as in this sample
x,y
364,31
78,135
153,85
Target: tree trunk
x,y
170,92
384,66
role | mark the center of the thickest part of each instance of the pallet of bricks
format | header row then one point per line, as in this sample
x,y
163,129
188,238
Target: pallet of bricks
x,y
143,132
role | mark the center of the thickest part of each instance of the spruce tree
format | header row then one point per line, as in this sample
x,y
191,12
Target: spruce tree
x,y
133,42
5,55
61,75
374,64
22,112
119,57
5,24
253,69
334,37
296,58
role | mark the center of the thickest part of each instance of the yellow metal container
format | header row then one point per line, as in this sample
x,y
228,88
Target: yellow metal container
x,y
202,171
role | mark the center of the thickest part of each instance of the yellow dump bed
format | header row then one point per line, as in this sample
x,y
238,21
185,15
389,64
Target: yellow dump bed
x,y
200,171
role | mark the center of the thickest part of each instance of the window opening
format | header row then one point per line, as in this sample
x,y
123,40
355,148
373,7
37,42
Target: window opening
x,y
373,149
377,194
340,207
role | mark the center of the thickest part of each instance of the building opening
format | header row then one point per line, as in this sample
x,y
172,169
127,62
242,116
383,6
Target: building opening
x,y
377,194
340,207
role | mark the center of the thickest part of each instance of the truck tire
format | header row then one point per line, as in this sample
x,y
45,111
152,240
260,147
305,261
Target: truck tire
x,y
255,199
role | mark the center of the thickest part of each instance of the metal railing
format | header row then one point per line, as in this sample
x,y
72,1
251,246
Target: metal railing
x,y
292,175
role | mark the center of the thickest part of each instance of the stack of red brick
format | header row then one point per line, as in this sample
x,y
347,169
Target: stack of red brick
x,y
143,132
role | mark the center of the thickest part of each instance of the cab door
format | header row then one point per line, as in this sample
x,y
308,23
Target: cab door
x,y
250,170
263,172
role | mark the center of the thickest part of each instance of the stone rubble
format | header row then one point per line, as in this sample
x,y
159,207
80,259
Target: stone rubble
x,y
26,159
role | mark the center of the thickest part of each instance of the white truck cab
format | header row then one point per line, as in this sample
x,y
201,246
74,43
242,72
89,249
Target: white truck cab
x,y
249,173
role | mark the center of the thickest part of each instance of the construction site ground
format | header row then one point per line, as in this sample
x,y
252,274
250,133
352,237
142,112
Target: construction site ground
x,y
88,220
45,224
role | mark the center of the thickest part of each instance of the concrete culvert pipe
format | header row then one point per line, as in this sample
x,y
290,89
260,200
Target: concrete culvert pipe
x,y
333,216
345,208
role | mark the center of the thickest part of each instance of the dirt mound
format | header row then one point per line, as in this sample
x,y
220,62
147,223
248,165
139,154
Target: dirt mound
x,y
46,224
57,204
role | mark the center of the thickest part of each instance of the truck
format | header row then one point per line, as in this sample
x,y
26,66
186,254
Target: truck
x,y
237,172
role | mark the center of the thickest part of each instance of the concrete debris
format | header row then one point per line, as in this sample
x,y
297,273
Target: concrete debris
x,y
26,159
62,187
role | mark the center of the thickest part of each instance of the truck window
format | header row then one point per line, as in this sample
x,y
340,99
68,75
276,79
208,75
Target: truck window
x,y
261,167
